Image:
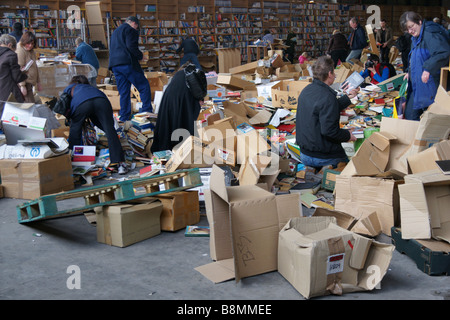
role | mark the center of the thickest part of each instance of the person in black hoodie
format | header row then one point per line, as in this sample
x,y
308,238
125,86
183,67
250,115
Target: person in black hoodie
x,y
318,133
338,47
403,44
10,73
124,57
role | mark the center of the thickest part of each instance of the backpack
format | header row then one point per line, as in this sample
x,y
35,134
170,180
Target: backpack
x,y
196,81
392,71
62,106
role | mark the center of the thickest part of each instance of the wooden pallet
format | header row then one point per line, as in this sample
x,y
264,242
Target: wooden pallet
x,y
46,207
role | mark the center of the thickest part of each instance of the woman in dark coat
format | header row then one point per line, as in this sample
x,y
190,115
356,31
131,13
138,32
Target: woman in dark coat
x,y
10,72
178,110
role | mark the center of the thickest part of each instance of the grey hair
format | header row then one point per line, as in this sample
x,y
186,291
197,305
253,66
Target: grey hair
x,y
409,16
7,39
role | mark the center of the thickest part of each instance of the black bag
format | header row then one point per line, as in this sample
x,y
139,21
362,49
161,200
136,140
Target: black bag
x,y
196,81
62,106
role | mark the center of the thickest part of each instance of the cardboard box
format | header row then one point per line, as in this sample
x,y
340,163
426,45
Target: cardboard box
x,y
190,153
123,224
360,196
157,81
30,179
426,160
242,113
285,93
245,68
431,256
392,83
215,91
234,82
249,145
259,169
180,209
244,223
441,103
424,203
320,258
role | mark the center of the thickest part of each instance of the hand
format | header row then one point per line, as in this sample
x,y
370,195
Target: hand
x,y
24,91
352,137
384,45
425,76
38,86
372,70
353,93
406,77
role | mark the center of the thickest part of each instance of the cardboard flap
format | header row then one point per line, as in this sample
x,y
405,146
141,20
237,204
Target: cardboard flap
x,y
360,250
218,271
217,182
381,140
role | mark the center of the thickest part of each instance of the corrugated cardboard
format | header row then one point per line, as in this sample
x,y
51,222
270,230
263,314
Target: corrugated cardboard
x,y
361,196
124,224
234,82
30,179
285,93
244,223
180,209
441,103
424,204
320,258
259,169
245,68
250,144
426,160
191,153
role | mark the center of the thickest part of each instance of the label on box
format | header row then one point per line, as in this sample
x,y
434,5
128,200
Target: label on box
x,y
390,86
335,263
223,154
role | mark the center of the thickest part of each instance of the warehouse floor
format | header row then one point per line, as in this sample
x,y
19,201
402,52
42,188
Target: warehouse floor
x,y
36,261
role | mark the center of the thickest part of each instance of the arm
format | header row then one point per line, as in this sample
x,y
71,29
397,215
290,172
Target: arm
x,y
439,49
16,74
180,48
383,76
329,122
132,43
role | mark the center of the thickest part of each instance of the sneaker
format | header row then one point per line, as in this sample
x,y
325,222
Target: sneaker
x,y
123,169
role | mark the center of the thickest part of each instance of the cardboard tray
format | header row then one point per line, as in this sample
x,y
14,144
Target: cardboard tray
x,y
431,256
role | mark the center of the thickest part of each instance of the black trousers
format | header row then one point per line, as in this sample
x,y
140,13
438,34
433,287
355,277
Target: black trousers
x,y
337,55
100,112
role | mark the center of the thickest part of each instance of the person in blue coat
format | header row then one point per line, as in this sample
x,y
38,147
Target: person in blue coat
x,y
191,51
89,102
86,55
124,57
377,71
430,51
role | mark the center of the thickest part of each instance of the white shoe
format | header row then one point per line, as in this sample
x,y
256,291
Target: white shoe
x,y
123,169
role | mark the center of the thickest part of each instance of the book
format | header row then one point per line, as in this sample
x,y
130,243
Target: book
x,y
197,231
444,165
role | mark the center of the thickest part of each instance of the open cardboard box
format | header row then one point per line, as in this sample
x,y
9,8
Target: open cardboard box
x,y
320,258
426,160
244,223
190,153
424,203
285,93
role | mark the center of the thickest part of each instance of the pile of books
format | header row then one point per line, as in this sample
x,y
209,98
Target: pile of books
x,y
140,133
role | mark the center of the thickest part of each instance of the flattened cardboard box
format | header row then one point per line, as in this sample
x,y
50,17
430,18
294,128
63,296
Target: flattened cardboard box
x,y
361,196
424,206
320,258
190,153
426,160
125,224
244,223
30,179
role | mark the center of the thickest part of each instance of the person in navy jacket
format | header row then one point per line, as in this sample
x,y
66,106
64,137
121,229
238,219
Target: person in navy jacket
x,y
318,131
124,57
357,40
430,51
90,102
86,55
191,51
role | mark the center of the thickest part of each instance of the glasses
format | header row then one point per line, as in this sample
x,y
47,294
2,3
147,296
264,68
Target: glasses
x,y
411,27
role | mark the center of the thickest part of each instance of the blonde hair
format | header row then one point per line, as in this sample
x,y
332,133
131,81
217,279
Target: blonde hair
x,y
305,54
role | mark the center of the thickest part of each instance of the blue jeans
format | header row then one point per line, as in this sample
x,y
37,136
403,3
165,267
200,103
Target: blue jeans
x,y
354,54
319,162
125,77
191,57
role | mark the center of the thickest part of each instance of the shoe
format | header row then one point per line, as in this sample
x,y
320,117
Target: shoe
x,y
123,169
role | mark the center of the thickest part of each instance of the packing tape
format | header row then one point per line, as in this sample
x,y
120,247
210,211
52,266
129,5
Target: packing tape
x,y
336,248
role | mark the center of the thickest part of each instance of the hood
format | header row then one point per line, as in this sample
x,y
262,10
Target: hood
x,y
4,50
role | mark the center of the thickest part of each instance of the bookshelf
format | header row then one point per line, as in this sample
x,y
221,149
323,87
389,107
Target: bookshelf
x,y
213,23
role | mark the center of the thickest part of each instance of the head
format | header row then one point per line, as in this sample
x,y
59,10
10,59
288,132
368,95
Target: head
x,y
28,40
18,27
372,61
305,54
133,22
266,31
79,79
336,31
437,20
78,41
412,22
323,70
353,23
383,23
8,41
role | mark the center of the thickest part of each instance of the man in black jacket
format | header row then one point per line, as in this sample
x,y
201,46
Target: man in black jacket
x,y
318,133
124,57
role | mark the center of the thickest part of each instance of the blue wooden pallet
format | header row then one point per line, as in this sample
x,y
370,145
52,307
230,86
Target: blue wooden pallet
x,y
46,207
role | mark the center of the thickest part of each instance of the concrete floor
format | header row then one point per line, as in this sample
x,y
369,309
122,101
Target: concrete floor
x,y
35,262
